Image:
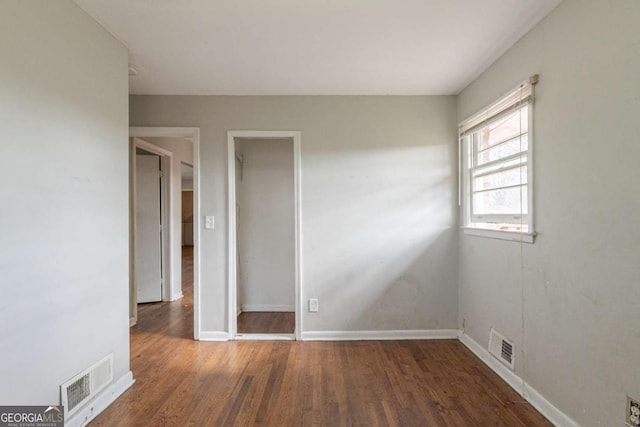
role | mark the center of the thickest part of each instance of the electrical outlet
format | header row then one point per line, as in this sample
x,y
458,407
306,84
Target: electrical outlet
x,y
313,305
209,222
633,412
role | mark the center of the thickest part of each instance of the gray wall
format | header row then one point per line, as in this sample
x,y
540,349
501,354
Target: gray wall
x,y
266,224
570,301
64,168
378,206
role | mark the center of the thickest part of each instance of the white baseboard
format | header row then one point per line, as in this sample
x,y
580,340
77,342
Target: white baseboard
x,y
415,334
265,337
101,401
214,336
269,308
176,296
496,366
546,408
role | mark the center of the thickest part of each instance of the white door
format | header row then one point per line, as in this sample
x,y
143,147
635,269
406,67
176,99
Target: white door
x,y
148,229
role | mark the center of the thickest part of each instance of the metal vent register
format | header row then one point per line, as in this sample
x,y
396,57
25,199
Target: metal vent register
x,y
86,385
501,348
78,391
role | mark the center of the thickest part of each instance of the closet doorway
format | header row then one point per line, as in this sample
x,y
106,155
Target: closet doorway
x,y
264,235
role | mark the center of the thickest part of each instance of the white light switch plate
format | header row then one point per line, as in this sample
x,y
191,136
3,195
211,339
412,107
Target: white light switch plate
x,y
209,222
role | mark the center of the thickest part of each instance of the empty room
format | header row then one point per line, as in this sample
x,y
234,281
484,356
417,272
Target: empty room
x,y
336,213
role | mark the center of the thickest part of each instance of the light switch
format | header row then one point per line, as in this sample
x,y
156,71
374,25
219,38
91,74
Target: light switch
x,y
209,222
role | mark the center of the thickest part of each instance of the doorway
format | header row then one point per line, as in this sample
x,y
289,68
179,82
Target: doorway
x,y
149,219
178,152
264,235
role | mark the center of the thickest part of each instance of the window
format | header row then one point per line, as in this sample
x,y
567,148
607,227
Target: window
x,y
496,168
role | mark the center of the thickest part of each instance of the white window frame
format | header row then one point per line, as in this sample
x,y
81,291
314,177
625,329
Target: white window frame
x,y
520,96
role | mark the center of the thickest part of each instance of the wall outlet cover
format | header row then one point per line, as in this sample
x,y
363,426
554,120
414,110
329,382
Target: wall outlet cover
x,y
633,412
313,305
209,222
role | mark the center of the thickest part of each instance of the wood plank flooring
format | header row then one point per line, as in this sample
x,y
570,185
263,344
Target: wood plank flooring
x,y
181,382
266,323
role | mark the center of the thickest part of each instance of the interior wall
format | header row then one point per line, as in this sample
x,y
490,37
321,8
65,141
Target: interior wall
x,y
187,180
379,202
64,166
182,149
266,220
568,301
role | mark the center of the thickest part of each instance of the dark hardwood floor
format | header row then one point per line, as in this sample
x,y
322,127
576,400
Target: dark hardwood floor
x,y
181,382
266,323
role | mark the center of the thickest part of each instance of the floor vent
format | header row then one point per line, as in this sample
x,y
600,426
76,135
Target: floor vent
x,y
84,386
501,348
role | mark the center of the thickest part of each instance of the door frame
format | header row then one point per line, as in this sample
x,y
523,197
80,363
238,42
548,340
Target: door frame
x,y
232,308
194,134
166,161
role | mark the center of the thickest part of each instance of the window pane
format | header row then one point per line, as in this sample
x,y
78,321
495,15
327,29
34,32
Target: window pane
x,y
504,128
503,178
510,201
506,149
496,167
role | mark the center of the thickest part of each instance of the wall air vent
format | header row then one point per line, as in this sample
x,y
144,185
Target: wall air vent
x,y
84,386
501,348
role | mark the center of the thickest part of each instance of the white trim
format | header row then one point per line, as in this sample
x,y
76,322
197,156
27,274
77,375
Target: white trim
x,y
153,148
214,336
546,408
176,296
265,337
266,308
410,334
530,165
133,285
101,401
498,367
512,236
164,132
232,304
232,272
194,134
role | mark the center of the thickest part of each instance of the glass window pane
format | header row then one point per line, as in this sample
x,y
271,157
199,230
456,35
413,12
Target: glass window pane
x,y
522,160
509,201
506,149
503,178
504,128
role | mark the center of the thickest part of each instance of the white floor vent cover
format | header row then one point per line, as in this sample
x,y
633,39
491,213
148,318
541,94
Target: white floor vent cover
x,y
501,348
84,386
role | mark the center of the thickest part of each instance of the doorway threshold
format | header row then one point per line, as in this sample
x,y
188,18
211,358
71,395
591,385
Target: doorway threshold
x,y
265,337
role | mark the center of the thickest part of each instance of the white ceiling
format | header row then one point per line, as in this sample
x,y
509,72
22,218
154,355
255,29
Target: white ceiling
x,y
315,47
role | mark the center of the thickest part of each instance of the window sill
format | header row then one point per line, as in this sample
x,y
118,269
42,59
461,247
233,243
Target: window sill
x,y
512,236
